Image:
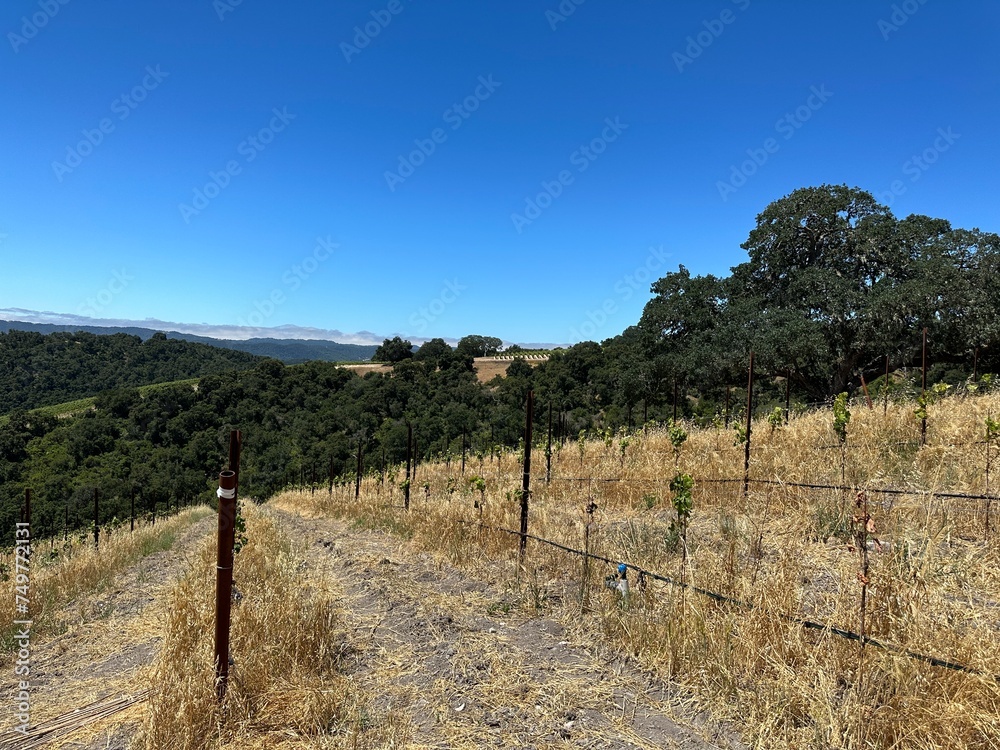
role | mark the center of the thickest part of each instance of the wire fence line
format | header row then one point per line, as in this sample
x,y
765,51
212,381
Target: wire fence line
x,y
739,603
781,483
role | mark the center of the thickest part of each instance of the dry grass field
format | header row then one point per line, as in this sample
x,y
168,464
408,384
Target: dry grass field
x,y
487,368
361,624
921,575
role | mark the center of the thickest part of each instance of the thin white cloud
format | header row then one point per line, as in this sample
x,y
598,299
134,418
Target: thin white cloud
x,y
231,332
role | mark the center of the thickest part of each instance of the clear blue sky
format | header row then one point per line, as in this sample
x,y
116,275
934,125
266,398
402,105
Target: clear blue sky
x,y
590,151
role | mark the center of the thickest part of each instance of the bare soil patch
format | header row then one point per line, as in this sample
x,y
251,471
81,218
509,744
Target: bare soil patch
x,y
453,665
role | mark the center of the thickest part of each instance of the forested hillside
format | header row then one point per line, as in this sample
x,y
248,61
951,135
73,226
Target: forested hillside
x,y
836,289
289,351
37,370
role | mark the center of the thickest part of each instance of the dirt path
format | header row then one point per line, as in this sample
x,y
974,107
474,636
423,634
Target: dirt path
x,y
109,636
453,667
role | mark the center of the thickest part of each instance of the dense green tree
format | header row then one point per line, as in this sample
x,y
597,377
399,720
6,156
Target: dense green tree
x,y
479,346
393,350
435,352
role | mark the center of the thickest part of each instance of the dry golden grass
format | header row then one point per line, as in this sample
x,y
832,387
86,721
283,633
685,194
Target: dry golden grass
x,y
933,581
61,572
286,688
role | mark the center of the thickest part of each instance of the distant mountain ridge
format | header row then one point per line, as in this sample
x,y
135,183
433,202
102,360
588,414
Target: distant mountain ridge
x,y
289,351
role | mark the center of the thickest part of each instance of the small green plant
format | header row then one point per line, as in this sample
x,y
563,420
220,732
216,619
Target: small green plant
x,y
992,429
740,434
649,501
682,485
841,417
776,418
678,435
478,484
623,444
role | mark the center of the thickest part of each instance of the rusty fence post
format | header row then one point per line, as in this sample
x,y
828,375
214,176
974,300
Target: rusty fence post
x,y
923,390
885,386
868,398
746,449
131,504
409,460
548,449
224,578
526,478
357,477
788,394
465,447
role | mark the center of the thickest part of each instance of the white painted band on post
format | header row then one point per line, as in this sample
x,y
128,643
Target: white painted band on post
x,y
226,494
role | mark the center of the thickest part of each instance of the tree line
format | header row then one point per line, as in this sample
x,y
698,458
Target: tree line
x,y
40,370
833,284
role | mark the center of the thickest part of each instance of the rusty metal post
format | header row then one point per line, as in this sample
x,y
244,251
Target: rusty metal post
x,y
788,394
224,578
66,522
416,459
330,485
235,448
746,450
923,391
729,391
382,465
975,364
26,510
97,519
131,503
357,477
868,397
989,441
526,479
465,446
409,459
885,404
548,449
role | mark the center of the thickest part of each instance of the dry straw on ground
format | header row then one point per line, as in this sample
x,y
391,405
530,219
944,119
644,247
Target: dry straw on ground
x,y
62,572
932,583
285,688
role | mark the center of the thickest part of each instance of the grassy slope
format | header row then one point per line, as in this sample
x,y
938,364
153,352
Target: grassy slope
x,y
932,580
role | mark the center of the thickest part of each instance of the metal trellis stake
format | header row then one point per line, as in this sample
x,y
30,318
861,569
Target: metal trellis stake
x,y
526,479
409,459
357,478
746,449
224,578
923,391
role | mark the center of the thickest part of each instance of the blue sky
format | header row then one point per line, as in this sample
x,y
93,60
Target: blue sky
x,y
440,168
